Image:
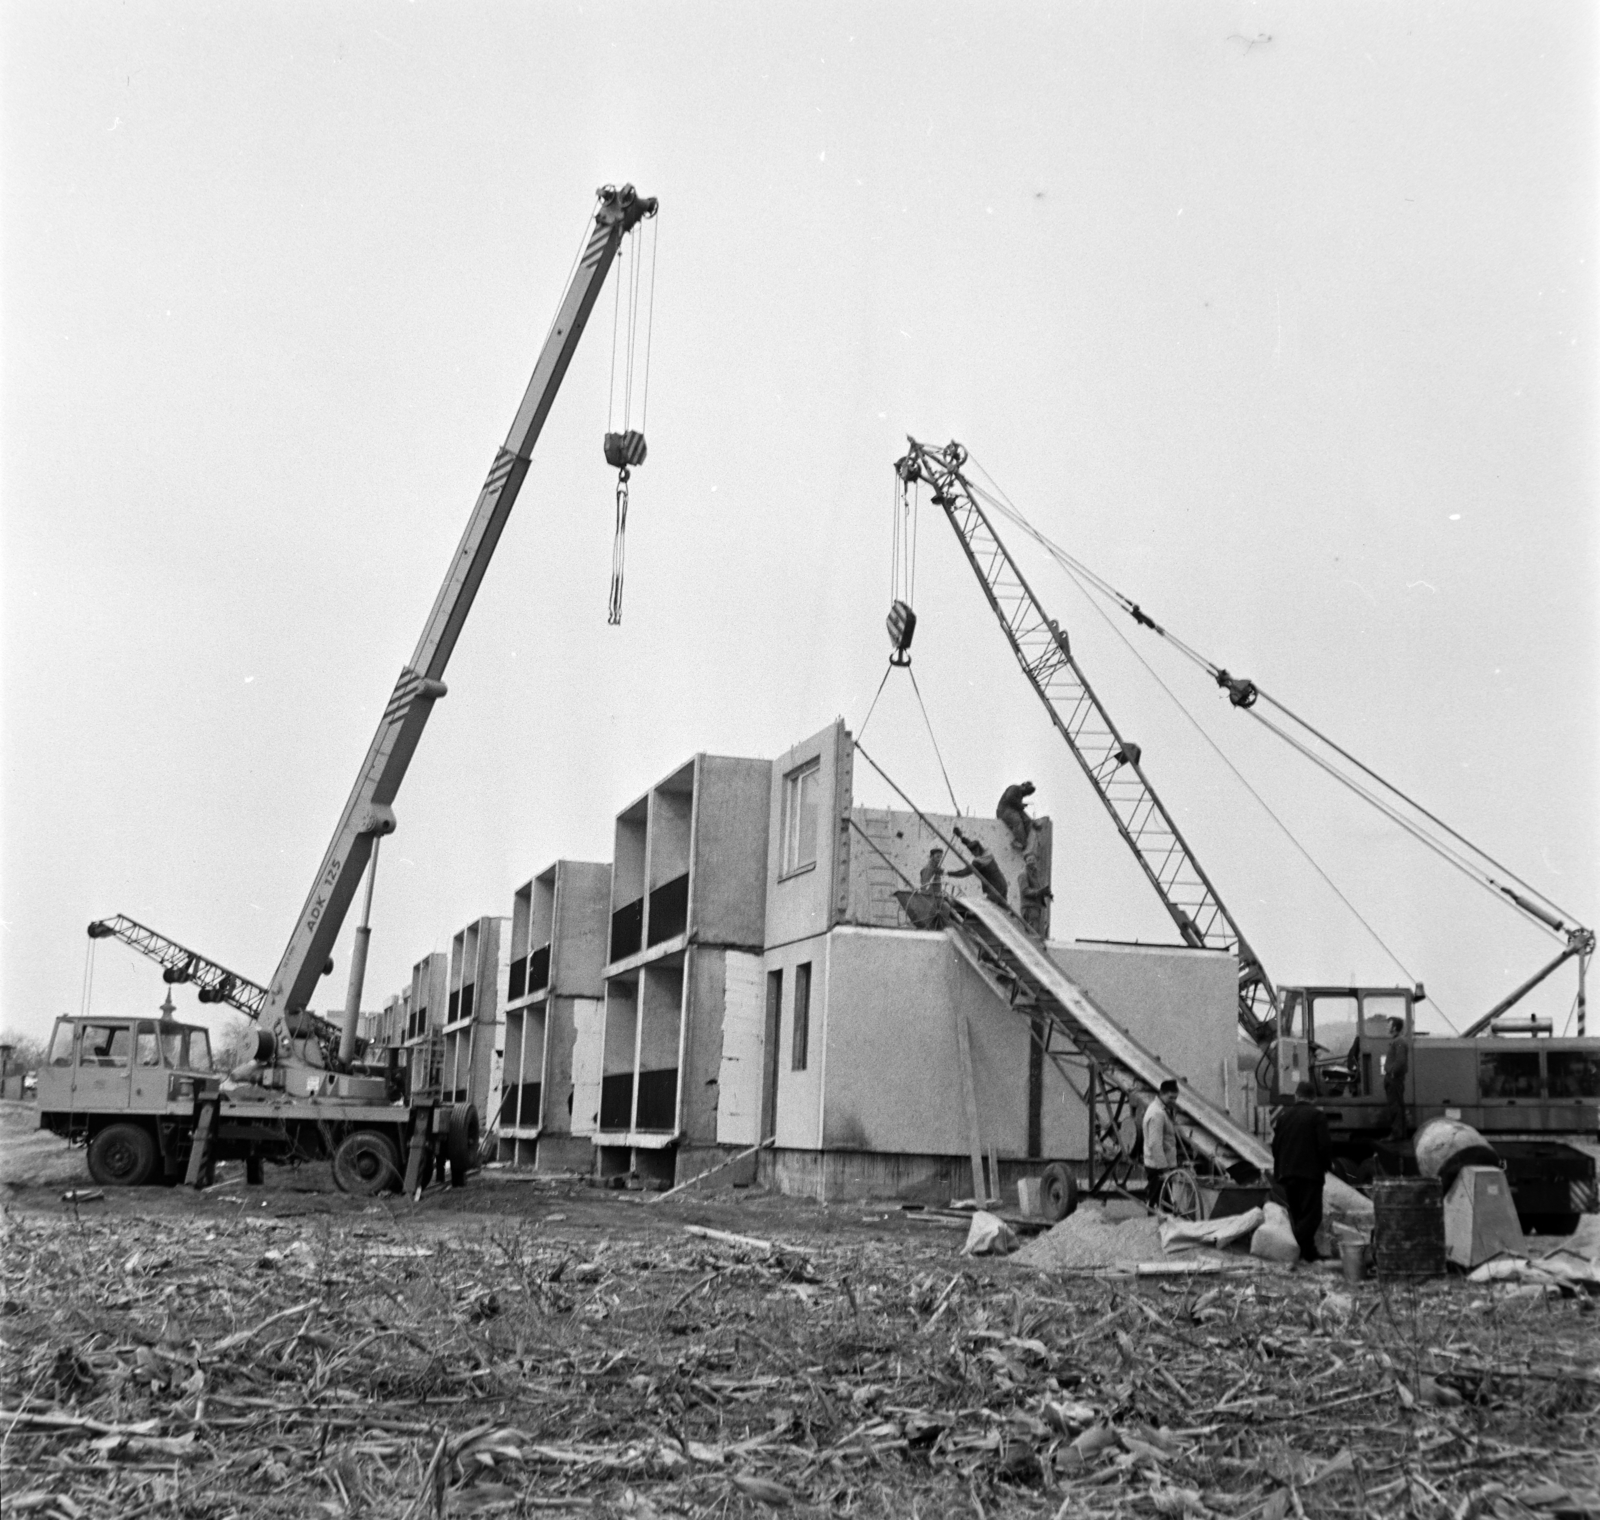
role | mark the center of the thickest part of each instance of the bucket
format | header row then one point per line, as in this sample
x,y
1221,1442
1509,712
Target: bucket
x,y
1353,1258
1408,1234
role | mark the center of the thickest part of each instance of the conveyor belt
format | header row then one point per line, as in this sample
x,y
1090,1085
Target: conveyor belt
x,y
1017,968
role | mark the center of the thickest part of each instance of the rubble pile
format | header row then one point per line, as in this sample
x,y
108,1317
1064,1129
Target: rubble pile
x,y
377,1365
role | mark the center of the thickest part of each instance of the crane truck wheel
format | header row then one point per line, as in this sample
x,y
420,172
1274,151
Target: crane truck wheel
x,y
366,1163
461,1143
122,1155
1058,1192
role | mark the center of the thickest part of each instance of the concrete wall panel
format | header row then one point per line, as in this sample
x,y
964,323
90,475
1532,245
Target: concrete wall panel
x,y
727,893
889,848
803,902
582,916
739,1076
797,1096
704,1002
1181,1005
588,1034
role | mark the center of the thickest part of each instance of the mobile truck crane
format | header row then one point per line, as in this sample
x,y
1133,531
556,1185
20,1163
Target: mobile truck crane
x,y
1536,1100
140,1092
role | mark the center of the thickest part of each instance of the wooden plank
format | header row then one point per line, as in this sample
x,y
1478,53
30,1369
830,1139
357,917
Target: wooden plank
x,y
969,1098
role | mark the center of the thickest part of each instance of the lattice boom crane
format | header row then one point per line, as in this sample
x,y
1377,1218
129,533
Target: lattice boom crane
x,y
1111,763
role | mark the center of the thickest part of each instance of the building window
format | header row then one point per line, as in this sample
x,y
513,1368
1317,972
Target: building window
x,y
799,843
802,1016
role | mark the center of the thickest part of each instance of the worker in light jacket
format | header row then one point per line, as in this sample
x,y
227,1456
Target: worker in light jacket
x,y
1302,1151
1160,1141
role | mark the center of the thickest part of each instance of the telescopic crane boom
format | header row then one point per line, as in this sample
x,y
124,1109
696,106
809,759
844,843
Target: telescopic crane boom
x,y
368,813
1111,763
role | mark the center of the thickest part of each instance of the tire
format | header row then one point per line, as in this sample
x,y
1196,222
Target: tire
x,y
122,1155
461,1143
1180,1194
1058,1192
366,1163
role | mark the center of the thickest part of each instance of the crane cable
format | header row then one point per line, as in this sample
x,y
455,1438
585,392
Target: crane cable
x,y
904,516
1244,693
1073,572
625,448
88,980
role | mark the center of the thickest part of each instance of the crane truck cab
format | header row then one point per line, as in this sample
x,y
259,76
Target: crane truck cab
x,y
126,1088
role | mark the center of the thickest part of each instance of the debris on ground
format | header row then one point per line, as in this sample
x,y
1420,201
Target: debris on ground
x,y
989,1235
286,1354
1087,1238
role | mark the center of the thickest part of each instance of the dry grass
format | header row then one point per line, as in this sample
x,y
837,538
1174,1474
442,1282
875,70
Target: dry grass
x,y
201,1363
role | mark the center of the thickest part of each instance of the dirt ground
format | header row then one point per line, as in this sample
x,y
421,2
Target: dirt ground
x,y
530,1347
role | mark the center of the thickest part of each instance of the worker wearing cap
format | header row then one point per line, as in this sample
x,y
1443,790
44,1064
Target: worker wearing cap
x,y
1160,1141
1013,812
1302,1151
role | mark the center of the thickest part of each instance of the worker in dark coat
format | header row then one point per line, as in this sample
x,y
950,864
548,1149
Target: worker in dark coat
x,y
1013,812
1302,1151
985,867
1035,893
1395,1067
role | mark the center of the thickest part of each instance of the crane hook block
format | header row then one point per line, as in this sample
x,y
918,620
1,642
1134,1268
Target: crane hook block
x,y
625,450
902,624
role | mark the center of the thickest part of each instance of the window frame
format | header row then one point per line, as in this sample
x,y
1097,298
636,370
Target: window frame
x,y
792,819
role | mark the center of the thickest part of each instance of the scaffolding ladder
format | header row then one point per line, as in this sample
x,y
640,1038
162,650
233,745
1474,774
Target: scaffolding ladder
x,y
1105,1066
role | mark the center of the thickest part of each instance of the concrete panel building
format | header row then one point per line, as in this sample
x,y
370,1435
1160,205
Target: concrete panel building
x,y
853,1065
559,929
688,888
474,1017
762,960
419,1013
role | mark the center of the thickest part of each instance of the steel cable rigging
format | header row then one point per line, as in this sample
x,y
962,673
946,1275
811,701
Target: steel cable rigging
x,y
1472,860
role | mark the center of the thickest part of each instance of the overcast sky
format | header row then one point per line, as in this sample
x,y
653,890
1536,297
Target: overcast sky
x,y
1281,317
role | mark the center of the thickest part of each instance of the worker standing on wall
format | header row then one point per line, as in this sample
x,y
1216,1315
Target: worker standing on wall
x,y
1035,893
1396,1064
985,867
1302,1150
1160,1136
1013,812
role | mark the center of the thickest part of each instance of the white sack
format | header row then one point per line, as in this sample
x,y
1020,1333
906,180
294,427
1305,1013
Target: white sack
x,y
1274,1238
1186,1234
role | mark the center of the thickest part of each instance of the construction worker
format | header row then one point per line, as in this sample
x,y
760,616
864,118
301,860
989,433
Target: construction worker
x,y
933,871
1302,1151
1160,1137
1035,893
1013,812
985,867
1396,1064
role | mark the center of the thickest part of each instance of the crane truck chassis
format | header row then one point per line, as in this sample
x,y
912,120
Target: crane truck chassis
x,y
132,1088
138,1092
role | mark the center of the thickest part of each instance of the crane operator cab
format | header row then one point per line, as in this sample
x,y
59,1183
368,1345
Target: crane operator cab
x,y
1339,1039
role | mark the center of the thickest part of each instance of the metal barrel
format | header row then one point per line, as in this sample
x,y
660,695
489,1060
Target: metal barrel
x,y
1408,1234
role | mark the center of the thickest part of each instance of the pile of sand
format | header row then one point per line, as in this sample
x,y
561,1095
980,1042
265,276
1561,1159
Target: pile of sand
x,y
1088,1239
